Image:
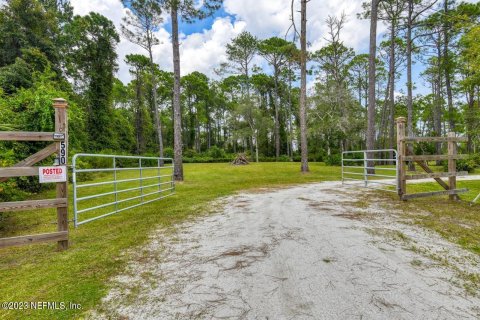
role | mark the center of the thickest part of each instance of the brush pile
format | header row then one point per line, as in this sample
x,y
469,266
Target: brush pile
x,y
240,160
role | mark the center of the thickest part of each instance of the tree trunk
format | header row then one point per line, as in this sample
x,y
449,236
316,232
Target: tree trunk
x,y
391,122
409,71
437,111
209,127
158,123
197,133
256,146
382,130
303,88
277,115
372,80
447,69
177,112
469,124
411,165
139,117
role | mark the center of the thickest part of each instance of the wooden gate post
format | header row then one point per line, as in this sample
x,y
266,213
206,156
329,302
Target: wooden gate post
x,y
452,164
402,182
61,126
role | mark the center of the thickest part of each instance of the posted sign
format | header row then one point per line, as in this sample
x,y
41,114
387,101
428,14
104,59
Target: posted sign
x,y
52,174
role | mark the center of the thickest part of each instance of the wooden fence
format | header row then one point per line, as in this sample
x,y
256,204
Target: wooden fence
x,y
26,168
405,156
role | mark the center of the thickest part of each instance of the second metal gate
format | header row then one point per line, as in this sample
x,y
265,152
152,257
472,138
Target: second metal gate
x,y
377,169
119,183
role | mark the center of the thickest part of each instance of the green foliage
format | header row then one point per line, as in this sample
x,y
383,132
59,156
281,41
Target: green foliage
x,y
92,61
168,152
241,51
333,160
9,191
216,153
15,76
276,51
469,164
30,109
143,19
27,24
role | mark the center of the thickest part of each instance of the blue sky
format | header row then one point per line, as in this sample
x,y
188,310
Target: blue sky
x,y
200,25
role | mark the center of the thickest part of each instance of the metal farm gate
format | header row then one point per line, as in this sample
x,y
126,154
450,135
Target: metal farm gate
x,y
127,182
376,169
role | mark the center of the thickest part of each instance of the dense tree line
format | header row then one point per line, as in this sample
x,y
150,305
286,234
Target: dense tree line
x,y
47,52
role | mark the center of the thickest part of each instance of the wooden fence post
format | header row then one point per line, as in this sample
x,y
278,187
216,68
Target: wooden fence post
x,y
402,182
61,126
452,164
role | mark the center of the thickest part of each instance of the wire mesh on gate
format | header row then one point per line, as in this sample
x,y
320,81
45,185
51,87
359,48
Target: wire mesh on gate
x,y
376,169
119,183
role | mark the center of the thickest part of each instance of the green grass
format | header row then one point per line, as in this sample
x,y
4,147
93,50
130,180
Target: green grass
x,y
80,274
457,221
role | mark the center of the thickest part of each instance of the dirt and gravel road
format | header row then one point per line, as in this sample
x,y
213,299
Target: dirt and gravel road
x,y
306,252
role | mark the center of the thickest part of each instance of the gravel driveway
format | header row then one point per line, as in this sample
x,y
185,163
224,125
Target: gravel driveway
x,y
307,252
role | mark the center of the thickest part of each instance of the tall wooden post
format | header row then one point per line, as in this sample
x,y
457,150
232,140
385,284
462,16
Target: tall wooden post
x,y
401,149
61,127
452,164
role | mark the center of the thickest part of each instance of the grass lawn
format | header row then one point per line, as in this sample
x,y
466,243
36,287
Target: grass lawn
x,y
459,222
79,275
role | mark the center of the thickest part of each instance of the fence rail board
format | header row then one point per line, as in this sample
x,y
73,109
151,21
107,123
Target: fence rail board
x,y
26,136
18,172
25,168
37,157
434,193
436,175
32,204
434,157
406,155
435,139
24,240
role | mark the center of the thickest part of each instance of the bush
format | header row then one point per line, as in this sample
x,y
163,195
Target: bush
x,y
333,160
476,158
190,153
284,158
216,153
468,165
10,192
168,152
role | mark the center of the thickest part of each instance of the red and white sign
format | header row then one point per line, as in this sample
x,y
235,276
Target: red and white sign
x,y
52,174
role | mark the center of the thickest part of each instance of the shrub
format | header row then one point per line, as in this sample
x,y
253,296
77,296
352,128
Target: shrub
x,y
468,165
333,160
216,153
10,192
284,158
476,158
189,153
168,152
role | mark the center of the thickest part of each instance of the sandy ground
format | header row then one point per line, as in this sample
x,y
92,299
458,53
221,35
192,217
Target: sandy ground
x,y
307,252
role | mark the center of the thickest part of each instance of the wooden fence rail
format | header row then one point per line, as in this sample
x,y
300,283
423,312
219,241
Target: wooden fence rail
x,y
404,156
26,168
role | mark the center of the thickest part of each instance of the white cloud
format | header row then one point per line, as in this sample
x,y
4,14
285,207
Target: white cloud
x,y
199,51
266,18
204,51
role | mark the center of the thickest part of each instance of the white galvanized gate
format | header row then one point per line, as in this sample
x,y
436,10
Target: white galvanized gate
x,y
376,169
121,183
